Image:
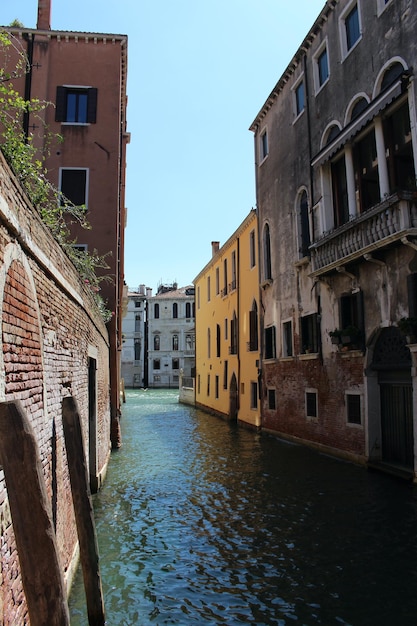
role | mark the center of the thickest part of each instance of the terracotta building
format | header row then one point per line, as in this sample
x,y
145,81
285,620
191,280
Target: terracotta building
x,y
336,161
84,76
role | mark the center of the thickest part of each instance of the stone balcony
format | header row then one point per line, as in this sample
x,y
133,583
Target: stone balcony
x,y
392,222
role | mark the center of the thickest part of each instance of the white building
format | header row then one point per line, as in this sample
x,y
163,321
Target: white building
x,y
134,338
171,335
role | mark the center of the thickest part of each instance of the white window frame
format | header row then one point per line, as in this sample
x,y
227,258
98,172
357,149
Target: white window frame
x,y
294,89
382,5
342,28
262,152
353,424
317,86
314,391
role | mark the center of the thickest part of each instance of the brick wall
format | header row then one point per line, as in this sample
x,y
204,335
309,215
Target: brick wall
x,y
50,329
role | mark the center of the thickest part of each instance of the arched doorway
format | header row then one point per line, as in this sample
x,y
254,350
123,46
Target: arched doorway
x,y
391,362
233,399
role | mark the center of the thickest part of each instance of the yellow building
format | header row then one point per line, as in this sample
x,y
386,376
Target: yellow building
x,y
227,327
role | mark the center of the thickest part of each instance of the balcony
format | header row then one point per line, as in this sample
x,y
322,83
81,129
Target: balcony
x,y
392,221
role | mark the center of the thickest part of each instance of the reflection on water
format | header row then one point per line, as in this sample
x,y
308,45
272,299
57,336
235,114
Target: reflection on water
x,y
200,522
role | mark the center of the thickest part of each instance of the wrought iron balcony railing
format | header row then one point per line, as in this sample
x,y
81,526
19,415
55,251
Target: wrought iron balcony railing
x,y
392,220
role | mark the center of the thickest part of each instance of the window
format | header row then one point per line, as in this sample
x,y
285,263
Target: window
x,y
352,316
321,67
271,400
73,184
156,311
224,291
382,4
216,387
304,225
233,283
340,192
233,334
208,289
217,281
270,343
264,144
175,342
208,384
350,32
208,343
267,253
309,334
252,249
253,395
218,340
353,408
226,328
137,349
188,309
76,105
225,374
311,403
399,149
156,364
175,364
156,342
137,323
287,349
189,342
137,304
253,327
175,310
366,171
299,98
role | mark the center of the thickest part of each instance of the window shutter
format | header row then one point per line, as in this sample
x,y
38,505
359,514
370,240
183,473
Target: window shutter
x,y
92,105
61,94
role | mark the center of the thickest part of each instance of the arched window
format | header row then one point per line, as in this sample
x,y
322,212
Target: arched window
x,y
175,310
175,342
156,342
391,75
267,253
187,309
253,327
156,311
359,106
304,225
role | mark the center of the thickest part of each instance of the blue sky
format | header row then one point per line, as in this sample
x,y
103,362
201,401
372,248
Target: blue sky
x,y
198,73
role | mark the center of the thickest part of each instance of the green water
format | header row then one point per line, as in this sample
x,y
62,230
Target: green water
x,y
200,522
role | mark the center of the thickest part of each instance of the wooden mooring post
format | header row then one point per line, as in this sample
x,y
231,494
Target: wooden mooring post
x,y
41,572
84,514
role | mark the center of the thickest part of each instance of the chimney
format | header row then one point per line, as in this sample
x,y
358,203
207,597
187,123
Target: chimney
x,y
215,246
44,15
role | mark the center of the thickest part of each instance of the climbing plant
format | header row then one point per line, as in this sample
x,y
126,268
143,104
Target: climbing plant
x,y
28,164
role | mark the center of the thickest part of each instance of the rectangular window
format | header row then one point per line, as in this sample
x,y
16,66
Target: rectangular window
x,y
299,98
264,144
225,374
216,386
252,250
349,27
271,400
311,403
321,67
226,327
156,364
287,339
309,334
270,343
253,395
76,104
217,281
73,183
208,289
175,364
224,290
233,283
208,384
353,408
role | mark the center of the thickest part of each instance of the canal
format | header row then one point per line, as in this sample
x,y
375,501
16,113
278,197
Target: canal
x,y
200,522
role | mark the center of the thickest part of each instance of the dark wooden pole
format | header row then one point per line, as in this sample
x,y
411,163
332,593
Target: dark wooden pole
x,y
84,514
41,572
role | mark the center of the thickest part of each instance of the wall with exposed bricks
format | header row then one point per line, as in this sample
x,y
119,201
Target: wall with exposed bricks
x,y
51,329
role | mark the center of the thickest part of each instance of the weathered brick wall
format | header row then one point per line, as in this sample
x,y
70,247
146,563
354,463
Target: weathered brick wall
x,y
50,329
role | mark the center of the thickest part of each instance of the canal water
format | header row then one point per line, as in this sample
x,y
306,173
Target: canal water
x,y
201,522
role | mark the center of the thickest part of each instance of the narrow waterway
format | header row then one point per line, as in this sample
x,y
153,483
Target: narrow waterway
x,y
200,522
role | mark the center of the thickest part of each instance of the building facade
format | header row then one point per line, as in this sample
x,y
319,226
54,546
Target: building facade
x,y
171,335
134,351
84,76
227,324
335,159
